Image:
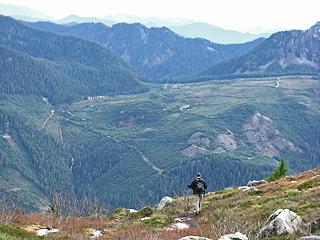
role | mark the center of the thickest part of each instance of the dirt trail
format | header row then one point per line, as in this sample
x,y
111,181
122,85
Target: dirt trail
x,y
147,160
46,121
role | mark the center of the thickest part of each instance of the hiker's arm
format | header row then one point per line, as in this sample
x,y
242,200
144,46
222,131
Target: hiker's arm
x,y
204,185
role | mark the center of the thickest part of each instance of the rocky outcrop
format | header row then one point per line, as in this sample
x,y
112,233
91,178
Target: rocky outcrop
x,y
281,222
164,202
261,133
202,144
235,236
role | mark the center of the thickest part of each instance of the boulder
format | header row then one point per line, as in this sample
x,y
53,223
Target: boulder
x,y
194,238
256,183
235,236
310,238
164,202
281,222
132,210
179,226
46,231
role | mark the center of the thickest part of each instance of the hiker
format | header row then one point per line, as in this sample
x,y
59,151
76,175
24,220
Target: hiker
x,y
198,186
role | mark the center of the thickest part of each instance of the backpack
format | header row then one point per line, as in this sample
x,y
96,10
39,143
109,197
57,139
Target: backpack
x,y
200,186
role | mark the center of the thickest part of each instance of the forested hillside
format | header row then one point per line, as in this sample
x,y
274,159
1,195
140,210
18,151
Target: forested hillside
x,y
132,150
59,67
156,53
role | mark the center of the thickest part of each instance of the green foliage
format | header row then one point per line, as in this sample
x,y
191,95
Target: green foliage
x,y
145,212
158,221
308,184
9,233
280,171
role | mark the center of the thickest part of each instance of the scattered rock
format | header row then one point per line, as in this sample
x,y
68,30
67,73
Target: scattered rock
x,y
164,202
194,238
235,236
256,183
46,231
310,238
281,222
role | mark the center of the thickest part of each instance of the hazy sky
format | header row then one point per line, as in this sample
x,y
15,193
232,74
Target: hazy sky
x,y
242,15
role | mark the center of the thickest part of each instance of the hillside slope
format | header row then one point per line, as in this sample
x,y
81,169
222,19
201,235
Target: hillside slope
x,y
223,212
154,52
289,52
59,67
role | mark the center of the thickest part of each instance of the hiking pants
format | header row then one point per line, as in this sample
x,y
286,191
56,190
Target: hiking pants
x,y
198,202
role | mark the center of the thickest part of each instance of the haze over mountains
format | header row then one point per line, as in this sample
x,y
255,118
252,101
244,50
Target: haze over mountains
x,y
184,27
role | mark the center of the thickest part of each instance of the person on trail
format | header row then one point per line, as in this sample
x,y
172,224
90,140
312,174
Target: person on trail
x,y
198,186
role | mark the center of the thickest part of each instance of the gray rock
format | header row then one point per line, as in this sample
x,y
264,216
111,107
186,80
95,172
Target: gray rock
x,y
256,183
194,238
250,189
235,236
314,226
164,202
281,222
310,238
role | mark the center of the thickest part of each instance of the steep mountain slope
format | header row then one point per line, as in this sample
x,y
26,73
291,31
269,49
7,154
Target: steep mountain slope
x,y
154,52
59,67
289,52
214,33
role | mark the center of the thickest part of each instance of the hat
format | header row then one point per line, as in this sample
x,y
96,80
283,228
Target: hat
x,y
198,175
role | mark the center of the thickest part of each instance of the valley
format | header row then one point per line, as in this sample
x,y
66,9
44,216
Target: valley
x,y
131,150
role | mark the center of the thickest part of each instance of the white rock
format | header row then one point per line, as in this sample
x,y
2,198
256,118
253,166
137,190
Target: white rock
x,y
96,233
144,219
46,231
256,183
194,238
180,226
310,238
235,236
283,221
246,188
164,202
132,211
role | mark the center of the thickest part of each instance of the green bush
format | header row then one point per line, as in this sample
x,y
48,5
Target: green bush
x,y
158,221
307,185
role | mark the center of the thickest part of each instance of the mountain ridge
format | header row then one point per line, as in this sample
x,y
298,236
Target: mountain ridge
x,y
286,52
154,52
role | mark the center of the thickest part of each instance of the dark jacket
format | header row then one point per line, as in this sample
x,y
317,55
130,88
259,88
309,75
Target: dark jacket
x,y
194,187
